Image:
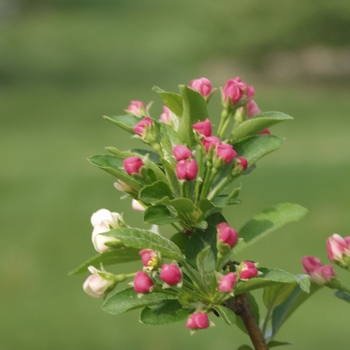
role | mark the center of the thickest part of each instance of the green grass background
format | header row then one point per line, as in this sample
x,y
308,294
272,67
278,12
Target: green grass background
x,y
64,65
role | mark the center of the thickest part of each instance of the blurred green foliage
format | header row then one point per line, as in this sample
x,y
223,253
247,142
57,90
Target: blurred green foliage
x,y
64,64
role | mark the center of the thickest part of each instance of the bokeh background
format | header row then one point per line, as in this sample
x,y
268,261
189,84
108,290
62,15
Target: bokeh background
x,y
66,63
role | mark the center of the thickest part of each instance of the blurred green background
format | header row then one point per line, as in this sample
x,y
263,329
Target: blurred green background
x,y
66,63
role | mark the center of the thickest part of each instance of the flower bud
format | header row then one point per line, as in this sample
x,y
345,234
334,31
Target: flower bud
x,y
338,249
103,221
149,258
98,283
225,152
210,142
182,152
141,127
247,270
227,283
137,108
165,117
204,127
132,165
198,320
142,283
235,90
171,275
252,109
186,170
226,234
243,163
320,274
202,85
136,205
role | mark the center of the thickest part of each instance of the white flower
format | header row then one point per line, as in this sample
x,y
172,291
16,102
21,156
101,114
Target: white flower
x,y
95,285
136,205
103,221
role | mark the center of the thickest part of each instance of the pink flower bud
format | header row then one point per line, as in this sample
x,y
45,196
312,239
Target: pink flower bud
x,y
136,205
96,285
202,85
235,89
132,165
243,163
149,258
252,109
170,274
338,249
142,283
165,117
140,128
319,273
247,270
204,127
211,142
227,283
181,152
137,108
226,153
186,170
226,234
197,321
265,132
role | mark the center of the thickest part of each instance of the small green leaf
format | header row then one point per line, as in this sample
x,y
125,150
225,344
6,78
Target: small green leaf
x,y
159,214
281,313
343,295
109,257
128,299
171,100
275,343
245,347
142,239
181,240
270,276
267,221
155,192
183,205
126,122
206,260
194,110
167,311
171,175
255,147
153,156
226,314
114,166
254,125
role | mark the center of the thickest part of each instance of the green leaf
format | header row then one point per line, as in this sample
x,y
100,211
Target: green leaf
x,y
245,347
206,260
281,313
270,276
142,239
114,166
181,240
109,257
183,205
275,343
254,125
266,222
150,165
173,180
202,239
128,299
159,214
226,314
153,156
167,311
126,122
343,295
171,100
168,139
255,147
194,110
155,192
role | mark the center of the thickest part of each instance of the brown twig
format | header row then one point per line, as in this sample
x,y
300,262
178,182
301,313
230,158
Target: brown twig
x,y
241,307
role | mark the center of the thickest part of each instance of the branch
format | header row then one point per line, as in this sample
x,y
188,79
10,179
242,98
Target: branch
x,y
241,307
